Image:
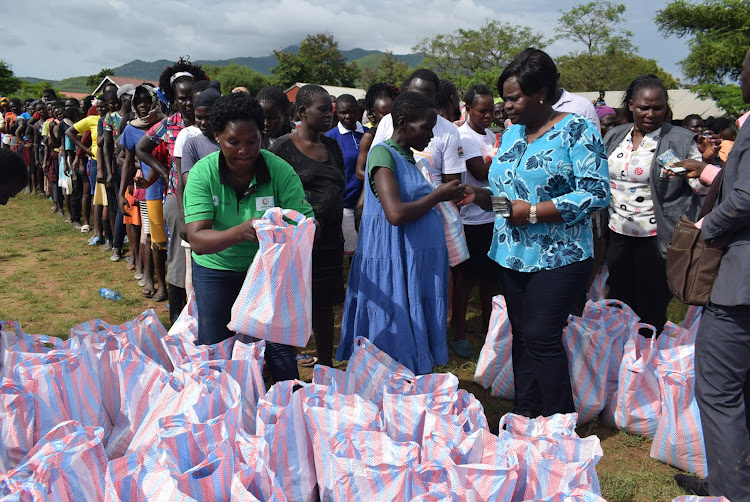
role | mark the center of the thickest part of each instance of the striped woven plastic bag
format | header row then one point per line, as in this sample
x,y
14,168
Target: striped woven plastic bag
x,y
326,414
474,482
367,466
142,477
369,369
275,302
589,352
495,364
281,421
17,419
253,480
63,389
617,323
69,463
455,238
679,435
145,332
638,406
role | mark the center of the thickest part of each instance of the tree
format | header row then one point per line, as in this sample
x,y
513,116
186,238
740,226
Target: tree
x,y
390,70
318,61
595,25
234,75
8,82
720,36
93,80
468,57
727,97
29,90
613,71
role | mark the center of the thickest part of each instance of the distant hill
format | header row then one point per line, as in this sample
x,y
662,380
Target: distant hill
x,y
150,70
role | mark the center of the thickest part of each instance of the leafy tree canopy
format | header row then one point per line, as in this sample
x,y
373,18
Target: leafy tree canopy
x,y
390,70
235,75
318,61
93,80
613,71
8,82
727,97
596,25
468,56
719,32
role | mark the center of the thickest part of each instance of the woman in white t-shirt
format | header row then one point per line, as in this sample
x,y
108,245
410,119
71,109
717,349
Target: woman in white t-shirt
x,y
479,146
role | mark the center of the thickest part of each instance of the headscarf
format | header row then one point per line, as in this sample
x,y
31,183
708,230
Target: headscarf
x,y
207,97
154,115
126,89
603,111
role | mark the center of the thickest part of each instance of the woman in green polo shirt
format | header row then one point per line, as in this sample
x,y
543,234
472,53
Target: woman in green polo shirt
x,y
226,190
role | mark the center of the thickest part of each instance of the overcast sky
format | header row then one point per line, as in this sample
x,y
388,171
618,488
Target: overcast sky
x,y
79,37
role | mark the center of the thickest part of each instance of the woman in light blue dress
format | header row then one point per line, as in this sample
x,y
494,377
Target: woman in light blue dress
x,y
397,293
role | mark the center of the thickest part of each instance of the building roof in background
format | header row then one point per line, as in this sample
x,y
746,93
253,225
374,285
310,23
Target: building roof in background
x,y
682,101
120,81
333,90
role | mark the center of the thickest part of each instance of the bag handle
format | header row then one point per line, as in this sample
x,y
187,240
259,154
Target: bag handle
x,y
713,193
276,216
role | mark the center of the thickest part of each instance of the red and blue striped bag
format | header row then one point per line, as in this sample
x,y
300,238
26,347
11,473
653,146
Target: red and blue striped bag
x,y
455,239
638,403
145,332
328,413
495,364
589,352
559,424
275,302
253,479
692,320
17,420
367,466
142,477
200,456
598,290
369,369
696,498
63,389
679,435
69,462
617,324
447,480
282,421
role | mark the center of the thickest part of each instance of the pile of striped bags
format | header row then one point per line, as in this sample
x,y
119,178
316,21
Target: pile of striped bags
x,y
133,413
633,383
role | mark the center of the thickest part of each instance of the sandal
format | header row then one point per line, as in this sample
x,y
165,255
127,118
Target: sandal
x,y
85,228
142,282
463,349
148,294
161,298
306,360
138,276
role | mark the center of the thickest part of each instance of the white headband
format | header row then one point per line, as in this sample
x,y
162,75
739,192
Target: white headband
x,y
180,74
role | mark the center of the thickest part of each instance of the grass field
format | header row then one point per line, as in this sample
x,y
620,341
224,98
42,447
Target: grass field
x,y
49,281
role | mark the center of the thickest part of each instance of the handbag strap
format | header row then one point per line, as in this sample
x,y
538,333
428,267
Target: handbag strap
x,y
713,194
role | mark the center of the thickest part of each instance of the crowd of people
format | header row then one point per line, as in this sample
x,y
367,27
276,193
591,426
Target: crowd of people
x,y
548,184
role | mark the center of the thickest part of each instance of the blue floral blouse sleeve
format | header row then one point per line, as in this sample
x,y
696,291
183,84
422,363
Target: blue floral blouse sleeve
x,y
590,172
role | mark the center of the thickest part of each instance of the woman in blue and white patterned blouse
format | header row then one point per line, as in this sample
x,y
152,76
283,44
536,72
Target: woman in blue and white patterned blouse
x,y
553,167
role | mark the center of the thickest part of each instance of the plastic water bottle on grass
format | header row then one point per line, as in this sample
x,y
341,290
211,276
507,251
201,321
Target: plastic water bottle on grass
x,y
110,295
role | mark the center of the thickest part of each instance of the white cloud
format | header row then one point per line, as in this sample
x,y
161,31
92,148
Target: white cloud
x,y
114,32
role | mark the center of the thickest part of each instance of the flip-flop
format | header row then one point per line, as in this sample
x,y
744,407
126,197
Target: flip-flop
x,y
85,228
306,360
148,294
161,298
142,282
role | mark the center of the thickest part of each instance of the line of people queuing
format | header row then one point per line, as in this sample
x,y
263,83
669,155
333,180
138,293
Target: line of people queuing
x,y
185,186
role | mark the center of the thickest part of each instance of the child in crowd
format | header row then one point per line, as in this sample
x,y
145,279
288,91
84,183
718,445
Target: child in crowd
x,y
397,294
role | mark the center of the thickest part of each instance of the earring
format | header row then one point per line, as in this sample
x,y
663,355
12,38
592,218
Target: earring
x,y
541,101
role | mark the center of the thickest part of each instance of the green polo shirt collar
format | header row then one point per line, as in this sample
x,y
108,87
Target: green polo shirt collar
x,y
262,176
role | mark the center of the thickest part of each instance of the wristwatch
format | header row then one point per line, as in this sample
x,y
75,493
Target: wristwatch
x,y
532,214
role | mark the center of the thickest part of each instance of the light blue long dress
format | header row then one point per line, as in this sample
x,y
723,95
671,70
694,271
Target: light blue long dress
x,y
397,293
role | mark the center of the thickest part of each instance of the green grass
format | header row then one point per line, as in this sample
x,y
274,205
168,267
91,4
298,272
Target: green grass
x,y
49,281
